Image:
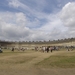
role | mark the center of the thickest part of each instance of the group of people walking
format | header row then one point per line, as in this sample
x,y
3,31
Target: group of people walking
x,y
49,48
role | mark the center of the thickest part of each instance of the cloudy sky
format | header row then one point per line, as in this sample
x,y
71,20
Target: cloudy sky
x,y
37,20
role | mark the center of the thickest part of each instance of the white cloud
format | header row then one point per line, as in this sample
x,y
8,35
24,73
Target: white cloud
x,y
19,5
67,14
39,25
34,8
14,27
21,19
14,3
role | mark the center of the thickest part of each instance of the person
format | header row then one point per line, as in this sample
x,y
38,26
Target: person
x,y
1,50
67,48
43,48
72,48
51,49
47,49
13,49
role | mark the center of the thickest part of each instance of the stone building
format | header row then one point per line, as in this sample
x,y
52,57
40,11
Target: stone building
x,y
33,44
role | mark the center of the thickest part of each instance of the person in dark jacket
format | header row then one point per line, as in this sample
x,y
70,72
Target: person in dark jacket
x,y
47,49
1,50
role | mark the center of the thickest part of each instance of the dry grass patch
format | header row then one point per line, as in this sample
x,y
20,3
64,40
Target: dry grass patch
x,y
16,60
17,57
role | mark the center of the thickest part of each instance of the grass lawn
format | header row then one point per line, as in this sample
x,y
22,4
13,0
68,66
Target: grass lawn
x,y
61,60
37,63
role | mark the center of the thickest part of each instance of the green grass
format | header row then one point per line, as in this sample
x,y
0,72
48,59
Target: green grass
x,y
64,60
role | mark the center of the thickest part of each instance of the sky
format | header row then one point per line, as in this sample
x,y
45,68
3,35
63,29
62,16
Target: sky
x,y
37,20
